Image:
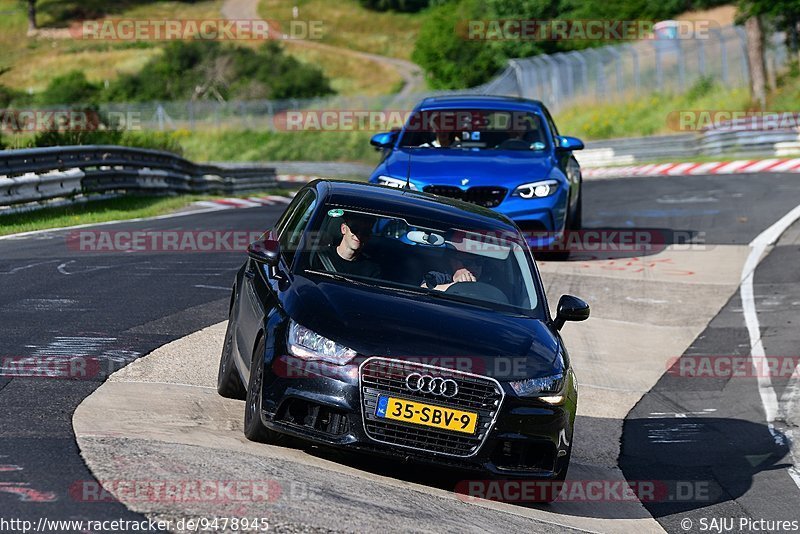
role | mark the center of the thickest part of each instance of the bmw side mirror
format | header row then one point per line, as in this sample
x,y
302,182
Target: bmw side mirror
x,y
568,144
266,251
570,309
383,140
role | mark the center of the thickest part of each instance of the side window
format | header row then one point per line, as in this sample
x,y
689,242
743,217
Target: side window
x,y
552,126
296,223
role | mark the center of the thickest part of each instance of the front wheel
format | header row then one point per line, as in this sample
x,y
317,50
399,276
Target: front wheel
x,y
254,429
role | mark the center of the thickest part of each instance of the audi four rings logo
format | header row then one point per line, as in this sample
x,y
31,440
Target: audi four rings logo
x,y
445,387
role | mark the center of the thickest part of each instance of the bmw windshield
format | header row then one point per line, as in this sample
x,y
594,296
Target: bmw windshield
x,y
486,268
475,130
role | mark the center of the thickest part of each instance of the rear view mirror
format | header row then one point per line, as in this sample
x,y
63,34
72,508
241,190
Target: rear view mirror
x,y
383,140
266,251
570,309
568,144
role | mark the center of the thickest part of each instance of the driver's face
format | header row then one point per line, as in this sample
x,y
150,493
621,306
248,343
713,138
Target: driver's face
x,y
355,234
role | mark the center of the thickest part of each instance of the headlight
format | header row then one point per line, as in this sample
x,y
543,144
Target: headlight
x,y
309,345
547,388
542,189
395,182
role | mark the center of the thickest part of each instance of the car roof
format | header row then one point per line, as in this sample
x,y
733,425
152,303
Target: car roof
x,y
413,204
479,102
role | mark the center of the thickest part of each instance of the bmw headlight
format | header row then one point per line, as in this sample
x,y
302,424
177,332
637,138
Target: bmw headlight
x,y
541,189
395,182
309,345
547,388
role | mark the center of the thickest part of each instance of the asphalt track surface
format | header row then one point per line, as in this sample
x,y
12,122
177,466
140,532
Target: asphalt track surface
x,y
117,307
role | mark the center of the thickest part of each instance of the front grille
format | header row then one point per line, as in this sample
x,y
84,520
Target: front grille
x,y
486,196
476,394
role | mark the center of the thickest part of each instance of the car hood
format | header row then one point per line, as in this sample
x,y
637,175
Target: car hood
x,y
377,322
450,167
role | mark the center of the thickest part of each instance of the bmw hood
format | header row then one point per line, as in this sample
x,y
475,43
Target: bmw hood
x,y
451,167
377,322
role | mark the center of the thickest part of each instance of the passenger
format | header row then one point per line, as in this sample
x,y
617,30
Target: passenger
x,y
348,257
464,268
443,139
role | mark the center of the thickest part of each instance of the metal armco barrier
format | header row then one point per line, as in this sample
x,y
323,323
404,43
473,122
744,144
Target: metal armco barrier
x,y
42,174
737,143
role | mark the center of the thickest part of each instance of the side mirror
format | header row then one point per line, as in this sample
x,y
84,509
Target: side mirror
x,y
383,140
568,144
570,309
265,251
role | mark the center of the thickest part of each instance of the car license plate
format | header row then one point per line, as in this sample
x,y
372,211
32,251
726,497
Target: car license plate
x,y
426,414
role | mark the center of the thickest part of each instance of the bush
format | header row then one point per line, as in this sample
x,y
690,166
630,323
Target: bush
x,y
207,69
407,6
71,88
451,61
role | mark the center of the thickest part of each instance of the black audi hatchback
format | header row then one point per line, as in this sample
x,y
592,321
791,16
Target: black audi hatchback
x,y
396,322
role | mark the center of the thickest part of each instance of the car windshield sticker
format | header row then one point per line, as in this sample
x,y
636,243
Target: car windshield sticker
x,y
335,213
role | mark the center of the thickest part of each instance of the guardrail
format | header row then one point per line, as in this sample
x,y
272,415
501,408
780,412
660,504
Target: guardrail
x,y
38,175
736,143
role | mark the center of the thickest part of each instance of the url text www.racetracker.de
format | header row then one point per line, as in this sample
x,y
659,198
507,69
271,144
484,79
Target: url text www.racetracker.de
x,y
199,524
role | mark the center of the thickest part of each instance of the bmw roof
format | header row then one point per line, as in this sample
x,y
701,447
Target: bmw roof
x,y
479,102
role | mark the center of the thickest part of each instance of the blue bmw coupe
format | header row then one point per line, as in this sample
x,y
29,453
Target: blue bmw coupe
x,y
498,152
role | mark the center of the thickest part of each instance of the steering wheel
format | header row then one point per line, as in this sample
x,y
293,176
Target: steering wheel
x,y
514,144
477,291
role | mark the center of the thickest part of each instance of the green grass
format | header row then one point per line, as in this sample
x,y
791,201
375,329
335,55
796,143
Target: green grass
x,y
278,146
347,24
642,116
98,211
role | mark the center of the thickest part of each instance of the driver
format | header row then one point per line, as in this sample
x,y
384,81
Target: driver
x,y
348,257
463,268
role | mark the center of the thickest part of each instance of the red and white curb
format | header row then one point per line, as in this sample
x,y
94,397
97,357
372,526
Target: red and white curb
x,y
251,202
741,166
298,178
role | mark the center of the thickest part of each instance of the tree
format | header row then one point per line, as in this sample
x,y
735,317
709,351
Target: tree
x,y
31,15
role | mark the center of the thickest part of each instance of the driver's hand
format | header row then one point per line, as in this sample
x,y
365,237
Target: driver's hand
x,y
463,275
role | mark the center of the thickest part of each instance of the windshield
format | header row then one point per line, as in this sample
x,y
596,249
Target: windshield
x,y
475,130
485,268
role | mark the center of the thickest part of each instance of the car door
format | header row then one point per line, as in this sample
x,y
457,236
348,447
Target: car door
x,y
259,291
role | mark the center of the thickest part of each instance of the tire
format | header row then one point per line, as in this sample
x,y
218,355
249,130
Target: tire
x,y
229,384
254,429
576,223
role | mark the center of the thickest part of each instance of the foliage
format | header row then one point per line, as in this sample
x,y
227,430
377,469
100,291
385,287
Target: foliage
x,y
72,88
207,69
452,60
408,6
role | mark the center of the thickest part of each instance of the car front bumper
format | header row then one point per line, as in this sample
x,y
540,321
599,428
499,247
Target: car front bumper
x,y
326,405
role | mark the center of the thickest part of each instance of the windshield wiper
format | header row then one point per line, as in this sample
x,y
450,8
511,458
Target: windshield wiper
x,y
337,276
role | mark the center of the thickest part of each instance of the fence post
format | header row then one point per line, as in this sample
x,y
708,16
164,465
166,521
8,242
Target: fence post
x,y
659,68
618,67
635,61
743,48
681,65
